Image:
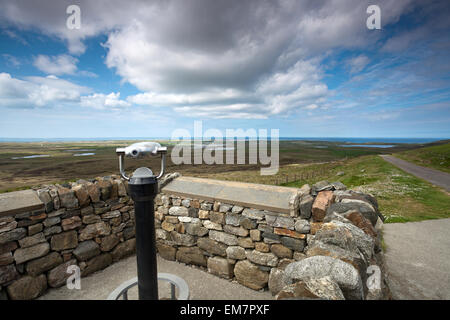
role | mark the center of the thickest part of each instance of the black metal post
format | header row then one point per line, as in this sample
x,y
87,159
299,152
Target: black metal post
x,y
143,187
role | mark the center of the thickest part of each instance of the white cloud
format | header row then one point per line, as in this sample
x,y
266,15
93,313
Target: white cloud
x,y
237,59
52,91
358,63
102,101
62,64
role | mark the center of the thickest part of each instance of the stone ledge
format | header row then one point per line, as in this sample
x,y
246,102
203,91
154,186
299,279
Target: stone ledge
x,y
12,203
258,196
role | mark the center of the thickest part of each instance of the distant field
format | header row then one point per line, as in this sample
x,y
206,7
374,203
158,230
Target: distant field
x,y
436,157
62,166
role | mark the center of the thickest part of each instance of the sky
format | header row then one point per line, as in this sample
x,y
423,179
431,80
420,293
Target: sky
x,y
146,68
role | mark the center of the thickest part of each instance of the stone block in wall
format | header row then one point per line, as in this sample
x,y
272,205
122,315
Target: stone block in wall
x,y
22,255
8,273
323,288
166,251
176,201
27,287
278,280
206,206
217,217
211,246
67,198
70,213
262,247
94,192
270,237
289,233
220,267
109,242
97,263
233,219
57,276
195,203
32,240
111,215
121,189
261,258
52,230
236,253
105,187
35,228
280,221
216,205
191,255
223,237
94,230
238,231
45,197
253,214
196,229
56,213
82,195
306,206
237,209
315,226
186,203
319,208
225,207
255,235
182,239
179,211
53,192
90,219
284,262
248,223
71,223
6,258
124,249
246,243
302,226
86,250
250,275
8,247
65,240
344,274
294,244
7,224
203,214
212,225
281,251
40,265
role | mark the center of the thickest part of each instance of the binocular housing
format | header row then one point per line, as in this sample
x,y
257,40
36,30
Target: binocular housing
x,y
140,150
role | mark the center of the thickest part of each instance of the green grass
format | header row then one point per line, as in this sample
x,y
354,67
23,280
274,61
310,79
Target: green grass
x,y
401,196
436,157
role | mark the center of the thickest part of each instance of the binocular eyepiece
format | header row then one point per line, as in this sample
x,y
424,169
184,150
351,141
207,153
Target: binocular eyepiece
x,y
140,150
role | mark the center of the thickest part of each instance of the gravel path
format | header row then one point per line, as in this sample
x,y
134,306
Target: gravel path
x,y
418,259
436,177
202,285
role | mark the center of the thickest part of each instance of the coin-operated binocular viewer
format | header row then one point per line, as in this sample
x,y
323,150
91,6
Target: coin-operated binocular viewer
x,y
143,187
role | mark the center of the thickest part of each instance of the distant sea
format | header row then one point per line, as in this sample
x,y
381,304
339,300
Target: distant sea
x,y
331,139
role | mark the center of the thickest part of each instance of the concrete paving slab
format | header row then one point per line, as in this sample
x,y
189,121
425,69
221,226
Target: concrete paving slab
x,y
263,197
12,203
202,285
418,259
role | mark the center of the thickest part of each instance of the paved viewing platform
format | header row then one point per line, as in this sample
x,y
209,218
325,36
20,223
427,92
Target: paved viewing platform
x,y
202,285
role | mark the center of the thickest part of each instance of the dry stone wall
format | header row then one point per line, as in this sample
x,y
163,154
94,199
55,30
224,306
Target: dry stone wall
x,y
320,249
88,223
319,242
